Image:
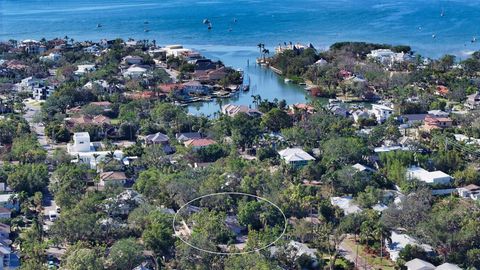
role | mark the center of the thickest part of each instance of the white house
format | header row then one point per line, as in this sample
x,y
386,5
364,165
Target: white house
x,y
295,156
134,72
132,60
43,92
448,266
417,264
346,203
85,151
471,191
381,112
53,56
84,69
434,178
359,115
388,57
399,241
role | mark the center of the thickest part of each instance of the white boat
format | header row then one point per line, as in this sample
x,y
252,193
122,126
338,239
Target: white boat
x,y
287,80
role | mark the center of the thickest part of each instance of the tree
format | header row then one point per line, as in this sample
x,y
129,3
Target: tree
x,y
68,184
245,130
342,151
82,258
125,254
152,184
249,261
158,232
26,149
276,119
29,178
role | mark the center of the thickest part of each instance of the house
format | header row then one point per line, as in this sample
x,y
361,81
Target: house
x,y
359,115
160,139
199,143
204,64
381,112
43,92
417,264
399,241
301,107
448,266
10,201
85,151
434,178
412,119
134,71
82,120
4,231
5,253
471,191
295,156
473,101
31,46
5,212
388,57
112,179
84,69
183,137
339,111
232,110
346,203
362,168
437,122
53,56
195,88
132,60
441,90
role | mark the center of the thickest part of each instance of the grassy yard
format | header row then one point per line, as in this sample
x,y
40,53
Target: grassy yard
x,y
375,261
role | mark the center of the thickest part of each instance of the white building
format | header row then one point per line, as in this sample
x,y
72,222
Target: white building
x,y
29,83
85,152
134,72
434,178
471,192
84,69
417,264
381,112
53,56
42,93
347,204
388,57
399,242
295,156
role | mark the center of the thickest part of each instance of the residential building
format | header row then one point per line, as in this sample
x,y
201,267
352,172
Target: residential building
x,y
183,137
10,201
195,88
232,110
441,90
31,46
473,101
132,60
86,152
359,115
347,204
43,92
433,178
437,122
134,71
160,139
295,156
199,143
84,69
471,191
417,264
399,241
53,56
112,179
381,112
388,57
448,266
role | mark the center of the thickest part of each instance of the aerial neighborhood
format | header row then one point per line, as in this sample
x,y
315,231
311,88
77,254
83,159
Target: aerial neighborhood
x,y
377,169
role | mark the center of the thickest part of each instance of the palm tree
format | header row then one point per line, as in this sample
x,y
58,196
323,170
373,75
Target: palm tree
x,y
265,52
261,46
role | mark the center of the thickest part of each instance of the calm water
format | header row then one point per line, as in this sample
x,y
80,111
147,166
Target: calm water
x,y
320,22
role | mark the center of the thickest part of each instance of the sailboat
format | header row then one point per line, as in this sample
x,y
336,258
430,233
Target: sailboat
x,y
99,25
442,13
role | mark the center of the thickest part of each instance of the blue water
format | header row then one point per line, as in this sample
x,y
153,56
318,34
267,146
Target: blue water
x,y
321,22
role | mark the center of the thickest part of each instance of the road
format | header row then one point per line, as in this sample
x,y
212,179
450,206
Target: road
x,y
351,255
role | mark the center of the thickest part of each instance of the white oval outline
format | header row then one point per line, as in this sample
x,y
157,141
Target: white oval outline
x,y
230,253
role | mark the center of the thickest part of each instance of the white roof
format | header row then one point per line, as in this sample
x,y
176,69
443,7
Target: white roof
x,y
417,264
359,167
5,197
346,204
136,69
381,107
424,175
399,242
80,135
448,266
295,154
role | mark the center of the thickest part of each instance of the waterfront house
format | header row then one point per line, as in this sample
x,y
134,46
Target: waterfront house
x,y
295,156
417,264
195,88
204,64
301,107
433,178
232,110
31,46
388,57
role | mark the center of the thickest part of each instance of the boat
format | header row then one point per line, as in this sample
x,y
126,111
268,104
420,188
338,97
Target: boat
x,y
209,26
99,25
234,20
146,30
434,36
246,86
287,80
474,39
442,13
206,21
